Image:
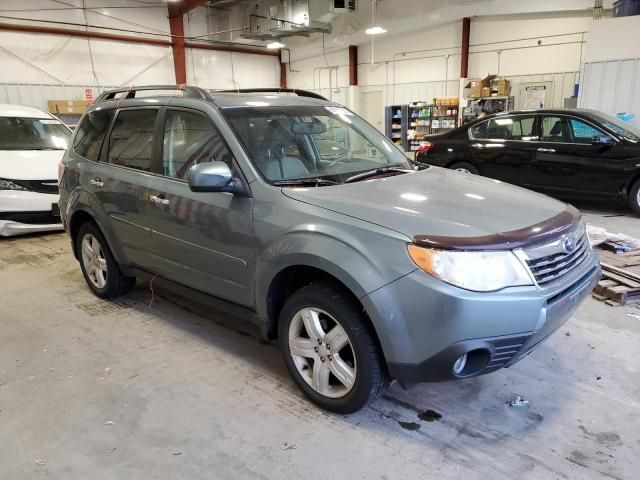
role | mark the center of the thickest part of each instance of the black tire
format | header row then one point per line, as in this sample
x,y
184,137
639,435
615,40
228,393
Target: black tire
x,y
370,374
115,283
465,166
634,197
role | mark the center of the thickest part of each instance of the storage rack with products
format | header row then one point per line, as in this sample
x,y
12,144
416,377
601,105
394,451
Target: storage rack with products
x,y
444,115
395,123
419,122
486,105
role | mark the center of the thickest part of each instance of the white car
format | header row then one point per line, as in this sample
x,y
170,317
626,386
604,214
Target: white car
x,y
32,143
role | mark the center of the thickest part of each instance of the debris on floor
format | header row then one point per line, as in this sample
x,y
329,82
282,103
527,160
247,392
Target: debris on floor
x,y
620,284
519,402
429,416
600,237
287,446
108,422
41,463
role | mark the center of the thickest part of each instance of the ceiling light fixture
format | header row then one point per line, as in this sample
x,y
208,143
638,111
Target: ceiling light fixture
x,y
375,31
274,45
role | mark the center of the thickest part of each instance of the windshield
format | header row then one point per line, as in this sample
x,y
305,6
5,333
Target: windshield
x,y
322,144
18,133
623,129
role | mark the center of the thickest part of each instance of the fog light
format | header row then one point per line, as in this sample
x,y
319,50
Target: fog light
x,y
458,367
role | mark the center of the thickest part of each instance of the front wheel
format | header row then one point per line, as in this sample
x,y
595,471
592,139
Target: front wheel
x,y
634,197
330,349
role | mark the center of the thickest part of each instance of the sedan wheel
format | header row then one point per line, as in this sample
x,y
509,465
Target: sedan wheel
x,y
322,352
94,261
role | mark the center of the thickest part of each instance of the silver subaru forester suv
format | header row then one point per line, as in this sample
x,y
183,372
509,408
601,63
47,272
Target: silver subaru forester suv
x,y
289,210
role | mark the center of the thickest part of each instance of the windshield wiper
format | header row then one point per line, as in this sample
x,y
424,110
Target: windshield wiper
x,y
297,182
373,173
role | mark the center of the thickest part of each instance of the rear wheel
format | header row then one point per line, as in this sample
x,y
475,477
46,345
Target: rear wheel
x,y
634,197
465,168
101,271
330,349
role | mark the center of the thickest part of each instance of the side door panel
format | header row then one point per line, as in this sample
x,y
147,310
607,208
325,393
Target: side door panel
x,y
503,148
121,180
200,239
567,163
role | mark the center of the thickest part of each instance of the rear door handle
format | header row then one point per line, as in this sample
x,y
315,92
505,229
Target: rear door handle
x,y
547,150
478,145
159,199
97,182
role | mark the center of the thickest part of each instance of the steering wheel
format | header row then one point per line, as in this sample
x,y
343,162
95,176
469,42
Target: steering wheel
x,y
335,162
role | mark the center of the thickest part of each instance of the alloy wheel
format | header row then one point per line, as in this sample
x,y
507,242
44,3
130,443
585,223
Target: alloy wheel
x,y
94,261
322,352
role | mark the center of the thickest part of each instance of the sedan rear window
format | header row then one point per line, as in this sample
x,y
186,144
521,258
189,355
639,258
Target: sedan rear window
x,y
24,133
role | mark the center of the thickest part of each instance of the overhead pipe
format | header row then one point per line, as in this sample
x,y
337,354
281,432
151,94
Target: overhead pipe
x,y
161,42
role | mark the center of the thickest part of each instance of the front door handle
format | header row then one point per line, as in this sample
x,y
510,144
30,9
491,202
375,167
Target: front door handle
x,y
159,199
478,145
547,150
97,182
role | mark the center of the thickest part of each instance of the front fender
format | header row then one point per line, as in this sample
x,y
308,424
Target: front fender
x,y
363,263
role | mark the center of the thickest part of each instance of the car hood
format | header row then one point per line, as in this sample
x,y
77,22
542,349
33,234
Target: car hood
x,y
30,164
435,201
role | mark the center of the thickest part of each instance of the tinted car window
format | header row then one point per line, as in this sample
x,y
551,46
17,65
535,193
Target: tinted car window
x,y
519,127
91,132
191,138
569,130
583,132
131,140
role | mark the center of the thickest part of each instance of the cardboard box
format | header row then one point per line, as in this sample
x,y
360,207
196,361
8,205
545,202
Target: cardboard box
x,y
486,92
66,107
501,87
476,86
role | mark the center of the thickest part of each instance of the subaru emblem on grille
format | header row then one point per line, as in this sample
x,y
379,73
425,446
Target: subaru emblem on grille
x,y
569,244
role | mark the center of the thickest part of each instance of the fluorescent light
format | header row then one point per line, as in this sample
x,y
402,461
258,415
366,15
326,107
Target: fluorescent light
x,y
274,45
375,31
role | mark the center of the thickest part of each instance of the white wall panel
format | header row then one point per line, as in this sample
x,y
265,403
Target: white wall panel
x,y
212,69
37,95
612,86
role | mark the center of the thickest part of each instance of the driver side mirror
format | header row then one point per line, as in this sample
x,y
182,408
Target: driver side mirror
x,y
213,177
601,140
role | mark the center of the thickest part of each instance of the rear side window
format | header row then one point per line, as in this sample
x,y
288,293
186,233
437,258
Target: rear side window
x,y
131,140
189,139
519,127
91,132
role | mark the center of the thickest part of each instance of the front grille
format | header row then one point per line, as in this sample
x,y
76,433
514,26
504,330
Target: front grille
x,y
39,186
504,350
551,262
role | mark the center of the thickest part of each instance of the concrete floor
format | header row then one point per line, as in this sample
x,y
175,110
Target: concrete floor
x,y
136,389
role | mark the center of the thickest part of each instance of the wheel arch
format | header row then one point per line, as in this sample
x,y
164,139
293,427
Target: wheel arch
x,y
83,214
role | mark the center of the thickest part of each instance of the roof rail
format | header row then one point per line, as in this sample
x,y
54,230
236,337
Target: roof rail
x,y
188,91
300,93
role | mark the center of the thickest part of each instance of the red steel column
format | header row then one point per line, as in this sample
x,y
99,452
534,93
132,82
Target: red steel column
x,y
353,65
176,26
464,61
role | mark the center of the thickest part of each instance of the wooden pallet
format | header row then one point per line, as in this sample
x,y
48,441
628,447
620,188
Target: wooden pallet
x,y
620,284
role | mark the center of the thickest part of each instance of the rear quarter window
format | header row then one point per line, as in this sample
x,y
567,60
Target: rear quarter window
x,y
91,132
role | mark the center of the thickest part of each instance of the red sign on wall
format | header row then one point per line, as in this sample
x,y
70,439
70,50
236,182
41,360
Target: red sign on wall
x,y
88,95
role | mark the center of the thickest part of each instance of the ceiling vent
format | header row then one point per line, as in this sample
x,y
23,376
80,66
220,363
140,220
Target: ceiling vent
x,y
343,6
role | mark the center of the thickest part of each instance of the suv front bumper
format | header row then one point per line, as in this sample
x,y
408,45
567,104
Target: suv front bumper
x,y
425,325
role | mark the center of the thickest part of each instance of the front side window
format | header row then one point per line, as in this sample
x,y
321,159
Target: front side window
x,y
518,127
91,133
311,142
567,130
189,139
25,133
131,140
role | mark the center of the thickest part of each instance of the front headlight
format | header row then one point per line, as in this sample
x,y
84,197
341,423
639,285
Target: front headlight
x,y
477,271
9,185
